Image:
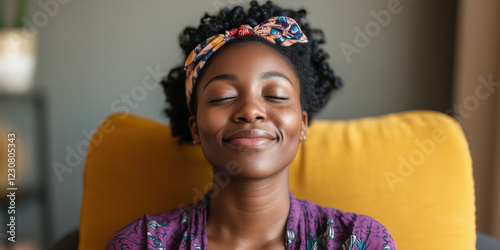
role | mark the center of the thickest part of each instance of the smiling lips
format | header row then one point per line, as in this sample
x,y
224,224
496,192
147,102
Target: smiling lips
x,y
253,138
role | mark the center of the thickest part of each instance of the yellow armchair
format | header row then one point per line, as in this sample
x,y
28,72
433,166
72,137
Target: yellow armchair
x,y
411,171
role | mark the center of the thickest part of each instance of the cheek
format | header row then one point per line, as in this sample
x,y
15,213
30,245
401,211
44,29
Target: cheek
x,y
210,123
289,123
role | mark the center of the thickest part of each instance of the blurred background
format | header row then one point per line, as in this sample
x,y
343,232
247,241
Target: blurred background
x,y
67,64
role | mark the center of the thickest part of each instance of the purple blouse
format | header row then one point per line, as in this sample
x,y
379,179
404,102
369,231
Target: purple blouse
x,y
309,226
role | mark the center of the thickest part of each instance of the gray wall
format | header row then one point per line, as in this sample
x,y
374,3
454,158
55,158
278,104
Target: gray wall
x,y
92,52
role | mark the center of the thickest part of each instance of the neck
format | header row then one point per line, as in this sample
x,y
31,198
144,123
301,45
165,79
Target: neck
x,y
250,211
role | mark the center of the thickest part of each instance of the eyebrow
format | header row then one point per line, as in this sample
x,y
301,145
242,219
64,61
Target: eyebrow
x,y
268,75
227,77
263,76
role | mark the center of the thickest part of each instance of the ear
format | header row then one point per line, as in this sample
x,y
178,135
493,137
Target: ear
x,y
303,128
193,127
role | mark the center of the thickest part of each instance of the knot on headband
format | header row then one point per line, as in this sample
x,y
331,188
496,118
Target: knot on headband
x,y
278,30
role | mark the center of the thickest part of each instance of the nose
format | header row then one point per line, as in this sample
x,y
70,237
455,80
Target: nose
x,y
250,109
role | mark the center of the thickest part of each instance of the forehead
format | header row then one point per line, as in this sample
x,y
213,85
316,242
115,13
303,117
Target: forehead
x,y
248,59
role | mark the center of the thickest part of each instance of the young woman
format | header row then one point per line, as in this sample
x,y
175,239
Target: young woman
x,y
249,87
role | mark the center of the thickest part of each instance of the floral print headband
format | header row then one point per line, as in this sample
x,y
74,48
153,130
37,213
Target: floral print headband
x,y
278,30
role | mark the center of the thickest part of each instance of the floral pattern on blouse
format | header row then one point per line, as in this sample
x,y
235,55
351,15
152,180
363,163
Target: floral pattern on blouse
x,y
309,226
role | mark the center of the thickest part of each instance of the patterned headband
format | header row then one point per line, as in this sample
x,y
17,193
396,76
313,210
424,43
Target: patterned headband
x,y
280,30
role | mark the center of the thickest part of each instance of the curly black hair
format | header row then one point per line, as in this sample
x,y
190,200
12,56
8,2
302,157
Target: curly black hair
x,y
317,80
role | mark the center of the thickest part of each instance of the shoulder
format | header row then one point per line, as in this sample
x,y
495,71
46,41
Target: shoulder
x,y
336,228
366,232
156,230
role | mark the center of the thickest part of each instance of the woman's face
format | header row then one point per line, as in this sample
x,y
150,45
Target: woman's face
x,y
249,111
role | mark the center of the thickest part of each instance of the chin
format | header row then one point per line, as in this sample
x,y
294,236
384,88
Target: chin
x,y
251,163
250,166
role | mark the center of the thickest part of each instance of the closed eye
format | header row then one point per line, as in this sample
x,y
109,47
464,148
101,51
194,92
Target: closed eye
x,y
221,99
277,97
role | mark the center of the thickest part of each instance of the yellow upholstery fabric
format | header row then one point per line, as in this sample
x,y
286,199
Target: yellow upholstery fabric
x,y
411,171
